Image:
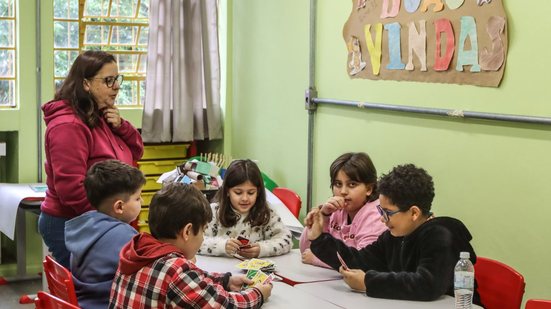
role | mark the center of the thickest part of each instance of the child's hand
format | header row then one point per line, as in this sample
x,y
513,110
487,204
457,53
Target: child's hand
x,y
232,246
250,252
308,257
354,278
309,220
236,282
333,204
316,224
265,289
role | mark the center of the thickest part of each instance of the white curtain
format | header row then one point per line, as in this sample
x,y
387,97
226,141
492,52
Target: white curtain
x,y
182,96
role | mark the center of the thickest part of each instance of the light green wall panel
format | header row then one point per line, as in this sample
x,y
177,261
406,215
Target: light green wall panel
x,y
270,73
492,175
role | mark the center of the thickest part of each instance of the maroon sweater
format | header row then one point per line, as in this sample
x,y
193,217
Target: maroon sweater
x,y
71,148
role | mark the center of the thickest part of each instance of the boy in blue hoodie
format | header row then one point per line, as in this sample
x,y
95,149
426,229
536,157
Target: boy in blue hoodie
x,y
96,237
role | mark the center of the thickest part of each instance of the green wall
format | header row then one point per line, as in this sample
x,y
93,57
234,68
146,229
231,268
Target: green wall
x,y
492,175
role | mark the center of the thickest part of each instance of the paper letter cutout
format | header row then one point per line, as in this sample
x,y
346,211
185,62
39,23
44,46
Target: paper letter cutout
x,y
438,5
492,61
443,63
374,50
481,2
356,63
417,41
395,7
454,4
394,48
470,57
411,5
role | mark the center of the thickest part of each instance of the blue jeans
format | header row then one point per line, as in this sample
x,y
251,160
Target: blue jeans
x,y
52,230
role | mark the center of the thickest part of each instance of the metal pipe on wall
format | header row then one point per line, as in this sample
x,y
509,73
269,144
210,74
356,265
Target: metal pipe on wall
x,y
311,107
38,90
437,111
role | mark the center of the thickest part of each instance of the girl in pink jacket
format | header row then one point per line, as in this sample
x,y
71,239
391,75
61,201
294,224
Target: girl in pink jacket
x,y
350,214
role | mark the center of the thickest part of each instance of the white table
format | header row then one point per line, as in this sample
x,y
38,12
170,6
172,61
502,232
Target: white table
x,y
288,297
338,293
220,264
288,266
15,200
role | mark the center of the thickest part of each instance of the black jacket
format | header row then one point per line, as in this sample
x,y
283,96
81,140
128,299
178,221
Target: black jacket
x,y
419,266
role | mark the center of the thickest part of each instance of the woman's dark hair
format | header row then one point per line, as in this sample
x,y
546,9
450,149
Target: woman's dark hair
x,y
408,185
176,205
358,167
86,66
239,172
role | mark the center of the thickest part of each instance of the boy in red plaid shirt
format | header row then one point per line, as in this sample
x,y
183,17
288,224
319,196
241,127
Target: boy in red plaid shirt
x,y
158,270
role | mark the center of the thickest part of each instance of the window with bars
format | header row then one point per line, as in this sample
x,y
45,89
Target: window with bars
x,y
8,77
119,27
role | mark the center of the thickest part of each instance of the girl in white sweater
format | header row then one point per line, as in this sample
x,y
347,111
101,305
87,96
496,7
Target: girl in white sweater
x,y
242,211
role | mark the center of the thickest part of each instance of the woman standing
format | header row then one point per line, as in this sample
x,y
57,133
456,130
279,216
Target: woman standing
x,y
83,127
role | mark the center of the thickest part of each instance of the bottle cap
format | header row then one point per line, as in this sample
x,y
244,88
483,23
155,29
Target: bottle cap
x,y
464,255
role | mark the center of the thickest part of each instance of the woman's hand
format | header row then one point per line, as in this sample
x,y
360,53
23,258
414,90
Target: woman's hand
x,y
112,116
251,251
354,278
308,257
232,246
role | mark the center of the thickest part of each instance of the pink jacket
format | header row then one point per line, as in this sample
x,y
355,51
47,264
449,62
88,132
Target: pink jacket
x,y
71,148
364,229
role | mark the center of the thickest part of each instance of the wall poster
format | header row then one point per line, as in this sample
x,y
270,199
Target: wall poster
x,y
443,41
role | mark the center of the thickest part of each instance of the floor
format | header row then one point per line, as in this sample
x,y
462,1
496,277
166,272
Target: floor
x,y
11,292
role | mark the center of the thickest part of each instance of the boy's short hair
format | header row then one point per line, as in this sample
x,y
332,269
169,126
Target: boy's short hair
x,y
176,205
109,178
408,185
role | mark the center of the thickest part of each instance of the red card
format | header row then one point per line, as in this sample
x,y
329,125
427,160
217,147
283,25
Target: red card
x,y
244,242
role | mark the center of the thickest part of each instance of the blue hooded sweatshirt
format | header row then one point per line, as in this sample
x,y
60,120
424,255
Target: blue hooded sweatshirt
x,y
95,240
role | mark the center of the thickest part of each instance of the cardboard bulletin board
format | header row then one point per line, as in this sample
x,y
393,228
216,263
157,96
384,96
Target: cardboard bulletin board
x,y
442,41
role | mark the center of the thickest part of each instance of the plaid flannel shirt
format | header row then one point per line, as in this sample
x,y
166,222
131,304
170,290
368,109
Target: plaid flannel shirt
x,y
174,282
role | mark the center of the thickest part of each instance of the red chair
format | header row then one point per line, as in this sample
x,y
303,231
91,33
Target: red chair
x,y
48,301
289,198
499,285
60,281
538,304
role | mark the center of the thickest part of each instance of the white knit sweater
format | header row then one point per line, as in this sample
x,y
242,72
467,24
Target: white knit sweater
x,y
274,238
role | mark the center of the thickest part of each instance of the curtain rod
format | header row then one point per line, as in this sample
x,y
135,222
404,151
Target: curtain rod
x,y
454,113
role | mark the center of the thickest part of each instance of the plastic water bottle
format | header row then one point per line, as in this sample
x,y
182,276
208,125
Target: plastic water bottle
x,y
464,282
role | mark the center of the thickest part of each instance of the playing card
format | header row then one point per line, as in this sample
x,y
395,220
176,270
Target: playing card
x,y
244,242
342,262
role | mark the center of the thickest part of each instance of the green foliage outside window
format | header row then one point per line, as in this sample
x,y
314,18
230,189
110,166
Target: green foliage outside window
x,y
8,77
116,26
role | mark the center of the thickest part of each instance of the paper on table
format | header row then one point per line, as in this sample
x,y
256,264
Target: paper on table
x,y
287,217
10,197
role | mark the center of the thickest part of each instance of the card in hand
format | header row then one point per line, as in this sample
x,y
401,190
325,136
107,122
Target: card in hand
x,y
342,262
244,242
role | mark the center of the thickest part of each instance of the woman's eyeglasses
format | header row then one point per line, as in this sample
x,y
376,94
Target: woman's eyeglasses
x,y
110,80
386,214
